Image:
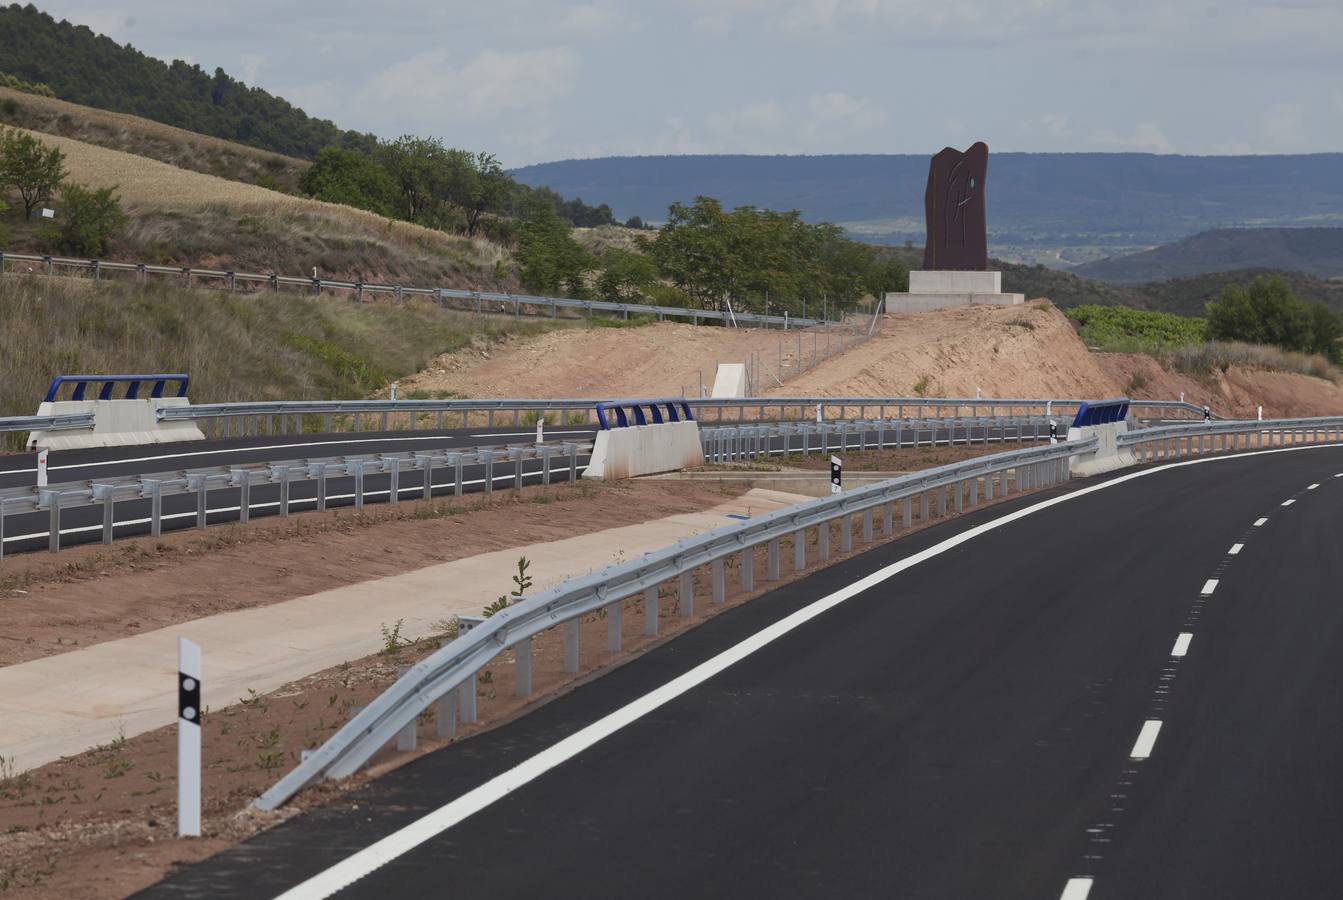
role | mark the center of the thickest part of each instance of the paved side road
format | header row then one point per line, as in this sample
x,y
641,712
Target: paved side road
x,y
975,725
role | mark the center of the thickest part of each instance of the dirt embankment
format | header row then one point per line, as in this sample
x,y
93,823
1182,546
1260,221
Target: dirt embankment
x,y
1022,351
1237,392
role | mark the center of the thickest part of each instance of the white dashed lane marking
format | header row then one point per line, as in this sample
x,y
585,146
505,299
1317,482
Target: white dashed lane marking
x,y
1311,487
1259,522
1209,586
1142,747
1235,549
1076,889
1288,502
1181,644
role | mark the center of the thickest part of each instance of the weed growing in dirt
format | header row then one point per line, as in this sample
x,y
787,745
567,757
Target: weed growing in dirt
x,y
522,582
921,386
1137,381
392,642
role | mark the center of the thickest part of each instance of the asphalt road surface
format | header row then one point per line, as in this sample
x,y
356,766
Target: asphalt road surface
x,y
1163,722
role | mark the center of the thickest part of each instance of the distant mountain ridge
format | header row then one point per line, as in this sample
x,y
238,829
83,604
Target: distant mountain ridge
x,y
1317,251
1114,199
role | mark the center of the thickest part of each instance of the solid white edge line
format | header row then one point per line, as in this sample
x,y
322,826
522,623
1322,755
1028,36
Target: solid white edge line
x,y
1259,522
1208,587
1288,502
1182,642
429,826
1235,549
1076,889
1143,746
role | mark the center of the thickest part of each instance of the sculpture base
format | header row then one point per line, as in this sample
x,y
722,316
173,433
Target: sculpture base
x,y
946,289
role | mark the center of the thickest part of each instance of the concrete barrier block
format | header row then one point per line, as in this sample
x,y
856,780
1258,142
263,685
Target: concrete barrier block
x,y
645,450
1108,456
116,423
730,380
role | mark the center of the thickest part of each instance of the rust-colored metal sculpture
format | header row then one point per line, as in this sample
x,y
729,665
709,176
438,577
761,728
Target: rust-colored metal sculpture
x,y
954,203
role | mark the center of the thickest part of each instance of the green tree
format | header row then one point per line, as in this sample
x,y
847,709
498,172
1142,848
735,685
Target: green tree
x,y
418,169
351,178
549,259
85,220
1267,312
626,277
4,229
476,184
30,166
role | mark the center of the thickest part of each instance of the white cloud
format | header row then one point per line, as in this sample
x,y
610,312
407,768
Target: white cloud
x,y
589,20
491,83
1146,137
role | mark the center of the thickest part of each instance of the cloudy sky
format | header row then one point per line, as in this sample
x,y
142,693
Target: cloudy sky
x,y
534,81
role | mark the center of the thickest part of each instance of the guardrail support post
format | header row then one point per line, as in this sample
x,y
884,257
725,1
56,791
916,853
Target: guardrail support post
x,y
686,594
719,577
202,501
907,514
651,611
615,625
846,533
867,525
244,499
466,694
489,470
446,715
522,652
54,522
958,489
516,455
799,550
941,502
155,509
405,738
108,506
772,561
748,569
358,485
572,636
923,507
974,491
823,541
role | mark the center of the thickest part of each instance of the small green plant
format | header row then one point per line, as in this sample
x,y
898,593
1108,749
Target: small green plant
x,y
921,386
521,583
117,767
1137,381
392,642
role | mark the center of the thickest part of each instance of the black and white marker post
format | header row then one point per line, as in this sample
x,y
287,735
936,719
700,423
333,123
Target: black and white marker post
x,y
835,469
188,738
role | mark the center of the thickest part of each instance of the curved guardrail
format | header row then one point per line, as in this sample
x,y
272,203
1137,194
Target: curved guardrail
x,y
476,300
1171,441
435,677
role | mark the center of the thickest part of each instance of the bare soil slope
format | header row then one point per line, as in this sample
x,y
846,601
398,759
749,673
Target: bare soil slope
x,y
1023,351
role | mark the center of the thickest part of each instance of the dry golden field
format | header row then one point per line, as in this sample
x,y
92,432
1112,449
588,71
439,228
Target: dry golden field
x,y
145,137
182,217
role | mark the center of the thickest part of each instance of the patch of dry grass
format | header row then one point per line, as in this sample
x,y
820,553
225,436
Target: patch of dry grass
x,y
1200,359
234,346
184,218
147,138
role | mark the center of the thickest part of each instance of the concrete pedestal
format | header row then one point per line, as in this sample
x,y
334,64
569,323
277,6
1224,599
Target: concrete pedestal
x,y
945,289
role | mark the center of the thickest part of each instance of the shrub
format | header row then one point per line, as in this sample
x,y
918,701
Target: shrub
x,y
1126,329
85,220
1267,312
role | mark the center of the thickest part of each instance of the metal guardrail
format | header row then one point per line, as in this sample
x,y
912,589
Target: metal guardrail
x,y
446,679
476,301
286,473
1172,441
45,423
456,664
108,382
391,413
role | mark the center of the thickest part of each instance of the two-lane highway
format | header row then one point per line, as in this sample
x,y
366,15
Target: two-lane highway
x,y
944,716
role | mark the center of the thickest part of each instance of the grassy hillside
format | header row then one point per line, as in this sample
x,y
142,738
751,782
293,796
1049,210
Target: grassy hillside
x,y
94,70
1316,251
234,346
144,137
181,217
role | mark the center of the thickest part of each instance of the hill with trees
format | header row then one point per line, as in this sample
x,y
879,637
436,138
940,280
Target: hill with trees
x,y
1034,199
1317,251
